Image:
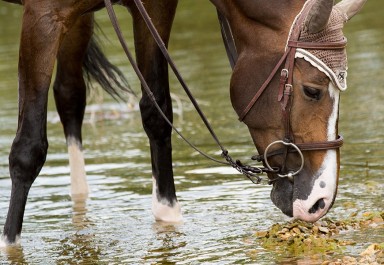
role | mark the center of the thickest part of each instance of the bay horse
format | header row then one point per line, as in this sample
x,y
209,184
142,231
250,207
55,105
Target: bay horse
x,y
294,114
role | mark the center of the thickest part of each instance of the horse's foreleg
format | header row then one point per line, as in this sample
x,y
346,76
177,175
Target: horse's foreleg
x,y
39,43
70,96
165,206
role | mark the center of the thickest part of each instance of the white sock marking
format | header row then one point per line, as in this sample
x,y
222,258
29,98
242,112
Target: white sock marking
x,y
79,183
5,243
162,210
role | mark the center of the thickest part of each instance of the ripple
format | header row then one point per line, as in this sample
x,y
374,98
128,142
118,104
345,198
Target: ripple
x,y
221,208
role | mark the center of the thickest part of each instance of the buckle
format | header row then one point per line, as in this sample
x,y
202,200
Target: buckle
x,y
284,73
288,88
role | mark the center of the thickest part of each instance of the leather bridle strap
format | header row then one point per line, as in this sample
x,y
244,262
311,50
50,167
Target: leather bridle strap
x,y
263,87
318,45
333,144
313,146
229,42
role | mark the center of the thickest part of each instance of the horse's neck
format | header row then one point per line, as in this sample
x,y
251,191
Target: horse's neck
x,y
262,24
271,13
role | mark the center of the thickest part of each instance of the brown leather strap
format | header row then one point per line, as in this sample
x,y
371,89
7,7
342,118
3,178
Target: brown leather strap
x,y
314,146
262,88
318,45
229,42
334,144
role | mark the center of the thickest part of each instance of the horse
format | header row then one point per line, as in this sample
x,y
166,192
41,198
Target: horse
x,y
289,66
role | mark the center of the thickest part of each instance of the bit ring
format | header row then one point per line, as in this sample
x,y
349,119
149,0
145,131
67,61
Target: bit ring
x,y
290,174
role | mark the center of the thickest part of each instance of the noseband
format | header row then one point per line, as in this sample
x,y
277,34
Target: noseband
x,y
285,99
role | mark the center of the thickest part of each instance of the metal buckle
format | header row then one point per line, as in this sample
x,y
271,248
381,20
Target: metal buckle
x,y
288,89
290,174
284,72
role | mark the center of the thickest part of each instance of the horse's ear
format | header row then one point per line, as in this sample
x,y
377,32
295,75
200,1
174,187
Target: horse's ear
x,y
351,7
318,16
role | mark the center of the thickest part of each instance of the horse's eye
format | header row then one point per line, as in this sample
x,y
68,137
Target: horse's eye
x,y
312,93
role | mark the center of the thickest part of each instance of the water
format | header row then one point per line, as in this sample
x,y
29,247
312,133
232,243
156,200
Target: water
x,y
222,210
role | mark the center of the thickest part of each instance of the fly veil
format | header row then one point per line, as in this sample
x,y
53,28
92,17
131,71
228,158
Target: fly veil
x,y
332,62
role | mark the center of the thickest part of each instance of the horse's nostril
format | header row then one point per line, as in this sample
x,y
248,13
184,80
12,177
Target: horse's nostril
x,y
320,204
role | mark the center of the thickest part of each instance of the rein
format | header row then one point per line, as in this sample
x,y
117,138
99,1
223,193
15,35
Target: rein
x,y
251,172
285,91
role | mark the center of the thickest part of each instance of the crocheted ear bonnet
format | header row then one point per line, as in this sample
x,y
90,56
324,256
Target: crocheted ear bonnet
x,y
331,62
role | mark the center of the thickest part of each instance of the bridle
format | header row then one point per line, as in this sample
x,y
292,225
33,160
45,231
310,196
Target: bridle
x,y
251,172
285,96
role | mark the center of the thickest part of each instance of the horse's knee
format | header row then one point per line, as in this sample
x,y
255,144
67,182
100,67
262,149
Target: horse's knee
x,y
26,159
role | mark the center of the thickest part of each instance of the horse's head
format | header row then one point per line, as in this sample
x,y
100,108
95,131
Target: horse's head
x,y
299,107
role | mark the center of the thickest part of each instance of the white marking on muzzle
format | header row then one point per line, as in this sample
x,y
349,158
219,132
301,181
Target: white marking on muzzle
x,y
162,209
79,183
324,187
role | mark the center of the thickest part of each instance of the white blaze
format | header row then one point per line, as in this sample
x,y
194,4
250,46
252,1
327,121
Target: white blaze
x,y
325,185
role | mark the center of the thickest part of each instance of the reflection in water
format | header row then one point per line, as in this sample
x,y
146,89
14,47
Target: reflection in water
x,y
14,255
80,247
79,218
166,245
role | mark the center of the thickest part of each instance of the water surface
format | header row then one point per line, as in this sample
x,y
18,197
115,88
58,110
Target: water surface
x,y
222,210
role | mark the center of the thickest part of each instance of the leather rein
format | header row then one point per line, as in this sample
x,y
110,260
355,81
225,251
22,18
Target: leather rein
x,y
251,172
